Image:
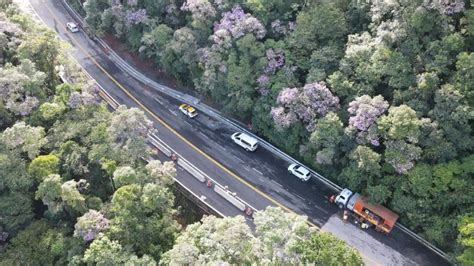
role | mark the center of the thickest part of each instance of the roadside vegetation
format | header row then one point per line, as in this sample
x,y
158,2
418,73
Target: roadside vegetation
x,y
376,95
74,189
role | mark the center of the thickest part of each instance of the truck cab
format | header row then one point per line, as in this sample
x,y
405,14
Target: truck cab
x,y
343,198
382,218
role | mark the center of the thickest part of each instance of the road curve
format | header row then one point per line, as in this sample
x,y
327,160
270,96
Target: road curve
x,y
259,178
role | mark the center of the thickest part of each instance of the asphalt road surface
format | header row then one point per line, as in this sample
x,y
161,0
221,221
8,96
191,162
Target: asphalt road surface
x,y
260,177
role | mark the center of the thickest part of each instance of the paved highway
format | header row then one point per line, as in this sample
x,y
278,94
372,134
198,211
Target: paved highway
x,y
260,178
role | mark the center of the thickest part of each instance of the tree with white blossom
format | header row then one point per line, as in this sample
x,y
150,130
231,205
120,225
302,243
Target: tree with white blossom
x,y
202,12
401,155
160,173
280,238
89,225
24,138
128,130
20,87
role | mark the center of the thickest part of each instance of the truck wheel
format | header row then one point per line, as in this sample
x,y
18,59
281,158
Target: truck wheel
x,y
341,206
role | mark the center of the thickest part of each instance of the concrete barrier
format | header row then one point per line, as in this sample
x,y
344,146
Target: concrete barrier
x,y
226,195
160,146
190,169
108,99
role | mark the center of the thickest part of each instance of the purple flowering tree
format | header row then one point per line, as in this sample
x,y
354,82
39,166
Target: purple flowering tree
x,y
275,60
262,80
288,96
307,104
236,23
318,101
134,17
90,224
282,118
449,7
364,112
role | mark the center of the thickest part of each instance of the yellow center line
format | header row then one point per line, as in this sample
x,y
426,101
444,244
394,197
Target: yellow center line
x,y
151,113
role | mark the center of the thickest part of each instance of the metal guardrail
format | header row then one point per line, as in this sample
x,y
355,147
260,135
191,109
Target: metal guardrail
x,y
215,114
122,64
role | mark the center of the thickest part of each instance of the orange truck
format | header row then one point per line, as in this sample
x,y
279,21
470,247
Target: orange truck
x,y
382,218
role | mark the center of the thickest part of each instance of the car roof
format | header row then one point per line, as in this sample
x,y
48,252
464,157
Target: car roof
x,y
191,109
302,169
251,140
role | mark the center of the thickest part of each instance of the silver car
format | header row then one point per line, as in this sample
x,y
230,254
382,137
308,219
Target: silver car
x,y
72,27
299,171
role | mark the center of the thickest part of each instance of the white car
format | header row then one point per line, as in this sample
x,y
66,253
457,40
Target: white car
x,y
299,171
188,110
72,27
245,141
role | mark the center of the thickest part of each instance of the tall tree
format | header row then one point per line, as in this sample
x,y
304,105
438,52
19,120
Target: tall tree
x,y
23,138
44,50
128,130
466,238
40,243
280,238
320,30
143,218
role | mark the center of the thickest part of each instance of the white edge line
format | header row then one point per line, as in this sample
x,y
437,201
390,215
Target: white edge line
x,y
255,169
276,183
204,135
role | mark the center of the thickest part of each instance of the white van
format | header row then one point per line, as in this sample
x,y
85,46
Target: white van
x,y
245,141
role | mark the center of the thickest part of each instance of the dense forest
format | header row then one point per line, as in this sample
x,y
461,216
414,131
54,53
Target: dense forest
x,y
376,95
75,191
